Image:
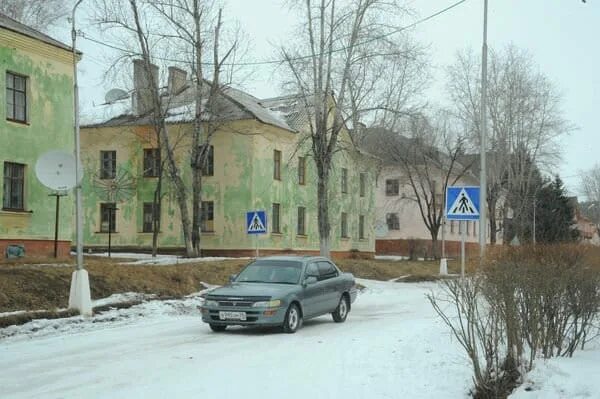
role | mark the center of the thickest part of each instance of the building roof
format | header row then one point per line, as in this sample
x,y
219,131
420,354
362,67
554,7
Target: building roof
x,y
13,25
232,104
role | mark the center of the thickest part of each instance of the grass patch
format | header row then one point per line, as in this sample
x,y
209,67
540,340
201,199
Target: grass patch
x,y
28,286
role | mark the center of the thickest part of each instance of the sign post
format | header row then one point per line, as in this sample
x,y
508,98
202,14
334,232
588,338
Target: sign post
x,y
462,204
256,223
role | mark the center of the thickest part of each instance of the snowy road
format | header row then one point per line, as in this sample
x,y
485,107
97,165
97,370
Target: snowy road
x,y
391,346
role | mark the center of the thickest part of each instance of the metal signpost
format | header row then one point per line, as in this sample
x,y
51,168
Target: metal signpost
x,y
462,204
256,223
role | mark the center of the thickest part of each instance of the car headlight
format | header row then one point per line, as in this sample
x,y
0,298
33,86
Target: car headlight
x,y
211,303
267,304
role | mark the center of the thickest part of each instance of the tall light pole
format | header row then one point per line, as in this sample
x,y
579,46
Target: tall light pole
x,y
483,173
79,296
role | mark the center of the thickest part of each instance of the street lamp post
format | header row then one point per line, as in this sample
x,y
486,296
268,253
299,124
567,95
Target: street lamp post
x,y
483,172
79,296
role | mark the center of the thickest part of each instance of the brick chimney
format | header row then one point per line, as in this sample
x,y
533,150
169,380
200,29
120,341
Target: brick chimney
x,y
177,80
142,96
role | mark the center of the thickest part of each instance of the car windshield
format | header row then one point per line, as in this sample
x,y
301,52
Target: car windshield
x,y
271,271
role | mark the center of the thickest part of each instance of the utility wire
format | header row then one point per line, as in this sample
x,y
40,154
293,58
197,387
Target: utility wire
x,y
271,62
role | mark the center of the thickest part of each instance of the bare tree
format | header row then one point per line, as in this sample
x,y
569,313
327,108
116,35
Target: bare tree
x,y
39,14
525,119
336,38
197,29
428,158
590,187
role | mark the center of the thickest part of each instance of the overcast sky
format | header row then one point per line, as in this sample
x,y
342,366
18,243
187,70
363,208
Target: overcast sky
x,y
562,36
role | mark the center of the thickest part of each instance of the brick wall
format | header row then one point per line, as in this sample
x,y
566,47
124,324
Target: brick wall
x,y
37,247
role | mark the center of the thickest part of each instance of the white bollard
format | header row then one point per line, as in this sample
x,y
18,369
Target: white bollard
x,y
79,296
443,267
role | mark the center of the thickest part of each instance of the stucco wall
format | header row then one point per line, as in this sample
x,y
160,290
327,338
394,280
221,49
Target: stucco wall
x,y
242,181
49,126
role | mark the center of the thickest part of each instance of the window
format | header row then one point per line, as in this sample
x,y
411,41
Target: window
x,y
344,180
474,228
14,183
149,217
392,220
312,270
361,227
301,170
392,187
275,218
108,164
344,225
108,217
208,216
326,270
363,184
208,169
276,165
151,162
301,221
16,97
467,224
452,226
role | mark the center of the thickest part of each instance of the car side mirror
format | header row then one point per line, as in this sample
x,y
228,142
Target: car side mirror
x,y
310,280
232,278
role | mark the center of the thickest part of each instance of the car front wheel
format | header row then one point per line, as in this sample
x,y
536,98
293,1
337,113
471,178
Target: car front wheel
x,y
293,319
217,328
341,312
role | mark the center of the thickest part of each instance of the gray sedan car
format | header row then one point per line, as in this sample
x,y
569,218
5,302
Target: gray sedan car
x,y
281,291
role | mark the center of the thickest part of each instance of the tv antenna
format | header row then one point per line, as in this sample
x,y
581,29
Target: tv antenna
x,y
55,169
119,188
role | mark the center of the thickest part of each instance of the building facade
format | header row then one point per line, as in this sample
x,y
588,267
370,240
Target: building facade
x,y
260,160
36,115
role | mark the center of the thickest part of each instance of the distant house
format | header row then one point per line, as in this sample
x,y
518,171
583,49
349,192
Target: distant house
x,y
260,160
399,225
36,115
588,230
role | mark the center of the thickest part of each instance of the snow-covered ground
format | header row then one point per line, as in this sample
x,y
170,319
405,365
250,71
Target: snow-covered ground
x,y
392,346
164,260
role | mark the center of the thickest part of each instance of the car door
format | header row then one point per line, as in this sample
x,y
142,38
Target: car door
x,y
329,278
314,294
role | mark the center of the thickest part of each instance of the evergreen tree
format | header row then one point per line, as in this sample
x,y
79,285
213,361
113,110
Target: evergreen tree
x,y
555,214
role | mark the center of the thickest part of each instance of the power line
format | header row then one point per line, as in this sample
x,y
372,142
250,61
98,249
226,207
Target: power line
x,y
299,58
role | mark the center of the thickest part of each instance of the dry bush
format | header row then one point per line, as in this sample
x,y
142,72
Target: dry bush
x,y
522,303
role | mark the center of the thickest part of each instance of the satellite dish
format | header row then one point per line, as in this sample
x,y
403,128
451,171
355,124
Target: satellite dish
x,y
56,170
114,95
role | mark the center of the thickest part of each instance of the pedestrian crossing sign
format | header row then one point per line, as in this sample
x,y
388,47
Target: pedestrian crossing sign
x,y
256,222
462,203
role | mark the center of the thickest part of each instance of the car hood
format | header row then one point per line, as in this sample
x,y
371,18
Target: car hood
x,y
254,290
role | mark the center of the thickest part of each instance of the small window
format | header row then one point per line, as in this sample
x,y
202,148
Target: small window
x,y
361,227
13,186
208,216
326,270
344,225
467,224
392,187
363,184
392,220
301,228
108,217
452,227
16,97
276,164
344,180
208,169
275,219
302,170
149,217
151,162
108,164
312,270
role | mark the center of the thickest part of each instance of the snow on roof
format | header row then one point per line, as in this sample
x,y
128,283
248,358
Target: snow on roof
x,y
233,104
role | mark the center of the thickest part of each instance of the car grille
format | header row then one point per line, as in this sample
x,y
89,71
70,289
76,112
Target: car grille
x,y
239,304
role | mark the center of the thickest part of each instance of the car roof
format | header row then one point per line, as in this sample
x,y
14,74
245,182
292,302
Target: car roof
x,y
298,258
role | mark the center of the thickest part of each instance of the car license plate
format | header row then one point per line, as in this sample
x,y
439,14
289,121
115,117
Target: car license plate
x,y
232,316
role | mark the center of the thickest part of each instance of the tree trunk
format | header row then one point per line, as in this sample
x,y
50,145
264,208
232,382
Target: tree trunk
x,y
156,210
492,218
323,210
434,244
196,210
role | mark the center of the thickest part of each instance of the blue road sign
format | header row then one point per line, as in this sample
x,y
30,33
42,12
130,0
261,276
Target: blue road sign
x,y
256,222
462,203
